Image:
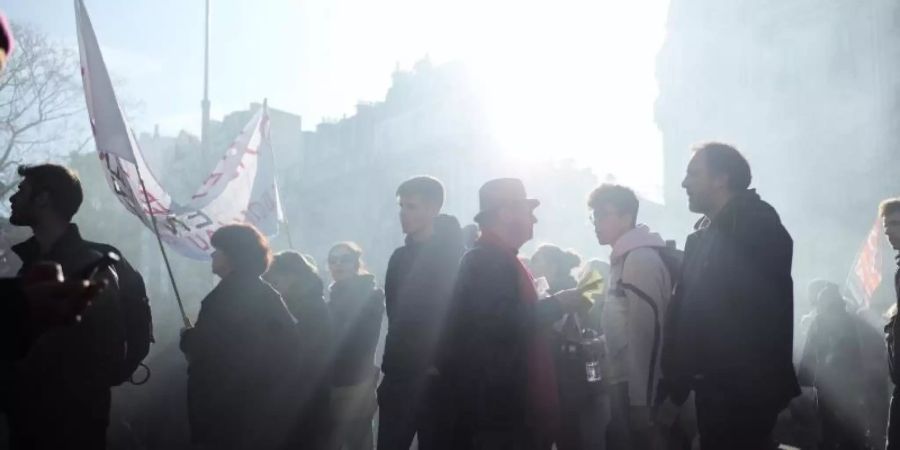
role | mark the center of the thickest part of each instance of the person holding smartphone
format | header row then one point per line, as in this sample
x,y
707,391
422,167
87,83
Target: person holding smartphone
x,y
58,370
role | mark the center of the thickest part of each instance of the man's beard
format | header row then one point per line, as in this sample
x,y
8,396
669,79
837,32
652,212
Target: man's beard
x,y
18,219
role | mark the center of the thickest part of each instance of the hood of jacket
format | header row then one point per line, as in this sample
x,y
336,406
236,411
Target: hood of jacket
x,y
637,237
447,232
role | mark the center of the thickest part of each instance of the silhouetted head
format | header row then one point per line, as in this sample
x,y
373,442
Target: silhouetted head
x,y
614,210
553,263
345,261
291,271
240,249
47,192
715,174
506,211
830,299
420,200
890,217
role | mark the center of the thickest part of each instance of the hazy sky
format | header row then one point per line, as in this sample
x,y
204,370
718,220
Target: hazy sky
x,y
570,77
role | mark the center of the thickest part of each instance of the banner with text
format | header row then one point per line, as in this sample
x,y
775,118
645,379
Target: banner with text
x,y
240,189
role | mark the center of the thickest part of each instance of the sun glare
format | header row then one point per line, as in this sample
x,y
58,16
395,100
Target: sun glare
x,y
567,80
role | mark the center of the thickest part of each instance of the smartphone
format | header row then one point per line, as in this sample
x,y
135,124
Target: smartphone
x,y
89,273
107,260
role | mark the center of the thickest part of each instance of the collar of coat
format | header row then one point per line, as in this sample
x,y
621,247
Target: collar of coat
x,y
491,239
729,212
30,250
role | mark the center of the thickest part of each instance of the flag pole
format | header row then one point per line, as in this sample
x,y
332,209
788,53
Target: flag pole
x,y
268,137
204,125
184,318
83,20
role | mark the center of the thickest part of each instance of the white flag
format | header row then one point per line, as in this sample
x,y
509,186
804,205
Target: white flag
x,y
241,188
109,128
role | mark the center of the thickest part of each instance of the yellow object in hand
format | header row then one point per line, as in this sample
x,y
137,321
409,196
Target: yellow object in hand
x,y
591,284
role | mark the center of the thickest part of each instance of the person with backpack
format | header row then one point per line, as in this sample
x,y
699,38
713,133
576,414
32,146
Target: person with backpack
x,y
64,366
638,293
137,318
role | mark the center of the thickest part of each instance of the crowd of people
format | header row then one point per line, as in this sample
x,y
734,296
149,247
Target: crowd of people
x,y
484,348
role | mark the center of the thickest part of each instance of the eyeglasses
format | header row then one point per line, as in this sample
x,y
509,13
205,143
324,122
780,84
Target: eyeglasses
x,y
598,215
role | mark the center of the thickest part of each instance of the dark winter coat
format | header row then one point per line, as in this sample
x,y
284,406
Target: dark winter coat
x,y
243,355
64,375
417,288
307,304
731,318
315,332
893,336
357,309
485,355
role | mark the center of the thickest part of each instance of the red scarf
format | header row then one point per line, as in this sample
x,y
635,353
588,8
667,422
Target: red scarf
x,y
542,390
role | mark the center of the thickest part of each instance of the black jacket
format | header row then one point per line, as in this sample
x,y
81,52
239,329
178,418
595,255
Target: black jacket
x,y
357,308
731,317
893,335
243,357
315,333
307,304
64,374
484,355
417,287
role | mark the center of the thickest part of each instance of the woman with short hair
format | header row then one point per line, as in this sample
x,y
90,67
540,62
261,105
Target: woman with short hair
x,y
242,352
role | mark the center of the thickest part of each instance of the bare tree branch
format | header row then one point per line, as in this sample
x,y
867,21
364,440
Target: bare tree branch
x,y
40,97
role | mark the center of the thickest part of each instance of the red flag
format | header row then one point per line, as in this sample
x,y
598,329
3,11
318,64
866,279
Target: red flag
x,y
865,276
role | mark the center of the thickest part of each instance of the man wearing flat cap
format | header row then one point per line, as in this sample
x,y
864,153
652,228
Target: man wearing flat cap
x,y
497,351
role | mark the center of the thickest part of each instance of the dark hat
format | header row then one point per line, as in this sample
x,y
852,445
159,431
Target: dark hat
x,y
496,194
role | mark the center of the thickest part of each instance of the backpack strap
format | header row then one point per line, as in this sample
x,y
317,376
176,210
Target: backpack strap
x,y
621,287
657,332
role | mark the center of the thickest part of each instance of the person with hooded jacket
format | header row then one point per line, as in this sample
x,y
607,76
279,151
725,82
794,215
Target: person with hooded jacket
x,y
729,331
638,293
417,286
357,307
